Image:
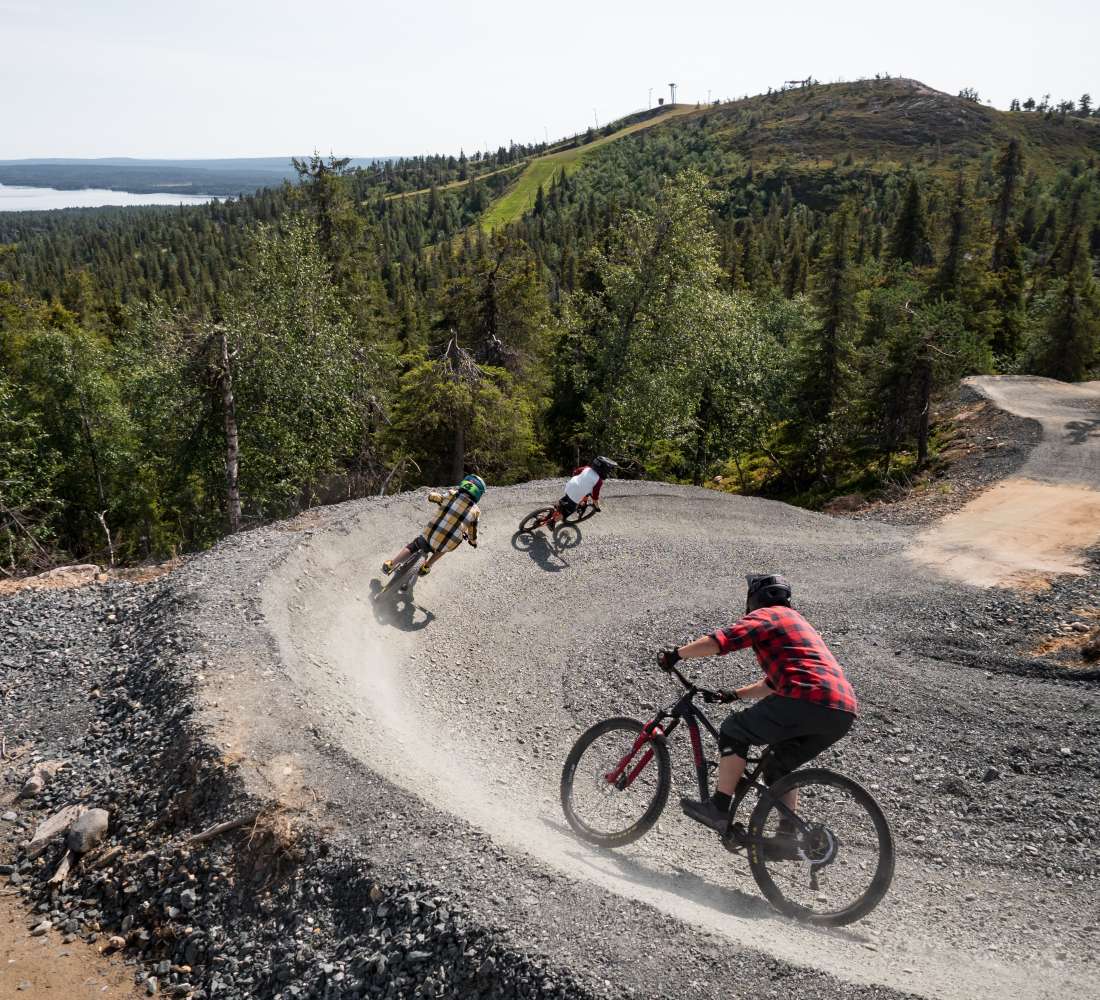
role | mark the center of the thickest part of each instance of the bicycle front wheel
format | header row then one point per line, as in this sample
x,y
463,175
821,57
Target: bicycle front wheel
x,y
612,793
838,869
402,574
535,520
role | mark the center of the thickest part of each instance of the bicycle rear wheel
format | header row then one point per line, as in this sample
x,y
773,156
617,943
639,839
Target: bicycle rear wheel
x,y
843,864
612,813
535,520
402,573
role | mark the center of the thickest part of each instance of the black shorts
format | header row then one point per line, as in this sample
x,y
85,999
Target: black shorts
x,y
419,544
795,729
566,506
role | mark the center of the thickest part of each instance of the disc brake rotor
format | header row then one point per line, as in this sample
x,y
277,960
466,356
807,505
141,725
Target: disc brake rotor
x,y
819,845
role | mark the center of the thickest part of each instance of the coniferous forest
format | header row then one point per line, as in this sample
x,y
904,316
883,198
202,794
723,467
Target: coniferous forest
x,y
772,290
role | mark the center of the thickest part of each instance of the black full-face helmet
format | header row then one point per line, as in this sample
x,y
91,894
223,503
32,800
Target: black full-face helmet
x,y
766,590
603,466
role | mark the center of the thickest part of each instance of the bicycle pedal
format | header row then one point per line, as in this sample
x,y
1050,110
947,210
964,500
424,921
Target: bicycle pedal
x,y
733,840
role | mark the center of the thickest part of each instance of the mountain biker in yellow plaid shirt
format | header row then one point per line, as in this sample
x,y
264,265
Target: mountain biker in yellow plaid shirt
x,y
456,520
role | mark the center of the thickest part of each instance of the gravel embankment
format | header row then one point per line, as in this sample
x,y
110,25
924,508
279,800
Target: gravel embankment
x,y
981,445
98,678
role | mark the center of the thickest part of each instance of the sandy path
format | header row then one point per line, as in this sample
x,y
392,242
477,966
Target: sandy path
x,y
36,968
1040,522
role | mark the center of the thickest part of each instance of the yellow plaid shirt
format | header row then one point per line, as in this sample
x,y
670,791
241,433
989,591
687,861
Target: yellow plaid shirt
x,y
458,516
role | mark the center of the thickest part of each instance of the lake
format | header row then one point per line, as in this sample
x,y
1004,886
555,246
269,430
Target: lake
x,y
35,199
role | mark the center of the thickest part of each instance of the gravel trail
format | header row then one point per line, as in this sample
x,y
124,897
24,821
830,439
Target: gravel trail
x,y
416,749
470,697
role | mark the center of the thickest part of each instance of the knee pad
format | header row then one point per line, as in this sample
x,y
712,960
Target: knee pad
x,y
730,745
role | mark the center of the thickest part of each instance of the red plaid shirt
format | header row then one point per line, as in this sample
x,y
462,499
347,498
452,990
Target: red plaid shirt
x,y
795,659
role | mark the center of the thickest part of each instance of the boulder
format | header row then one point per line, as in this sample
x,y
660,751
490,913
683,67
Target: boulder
x,y
40,777
846,504
82,571
87,831
57,824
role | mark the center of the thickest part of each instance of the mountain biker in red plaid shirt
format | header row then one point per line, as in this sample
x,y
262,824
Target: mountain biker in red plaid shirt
x,y
806,703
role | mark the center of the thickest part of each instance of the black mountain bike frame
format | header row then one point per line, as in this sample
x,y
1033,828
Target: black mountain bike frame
x,y
685,711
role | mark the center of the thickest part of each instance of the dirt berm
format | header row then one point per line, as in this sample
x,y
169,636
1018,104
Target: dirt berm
x,y
430,738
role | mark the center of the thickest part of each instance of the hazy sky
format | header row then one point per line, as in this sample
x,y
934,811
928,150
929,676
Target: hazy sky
x,y
374,77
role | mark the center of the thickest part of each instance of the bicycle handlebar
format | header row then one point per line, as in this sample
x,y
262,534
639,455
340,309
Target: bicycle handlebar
x,y
709,696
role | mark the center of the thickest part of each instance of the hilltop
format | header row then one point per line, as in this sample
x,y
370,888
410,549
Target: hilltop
x,y
813,132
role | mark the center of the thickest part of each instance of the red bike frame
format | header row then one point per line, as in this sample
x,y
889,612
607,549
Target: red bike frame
x,y
623,774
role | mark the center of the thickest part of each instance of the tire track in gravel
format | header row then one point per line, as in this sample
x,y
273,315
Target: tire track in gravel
x,y
475,693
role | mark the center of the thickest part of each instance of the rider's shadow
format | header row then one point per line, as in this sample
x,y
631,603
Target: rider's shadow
x,y
547,554
722,899
398,610
683,882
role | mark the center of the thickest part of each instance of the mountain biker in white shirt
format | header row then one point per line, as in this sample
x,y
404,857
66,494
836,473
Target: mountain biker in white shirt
x,y
587,481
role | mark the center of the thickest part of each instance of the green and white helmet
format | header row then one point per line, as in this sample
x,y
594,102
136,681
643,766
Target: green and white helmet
x,y
474,486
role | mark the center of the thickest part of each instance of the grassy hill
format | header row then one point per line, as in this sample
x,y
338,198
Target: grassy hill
x,y
813,132
897,121
520,197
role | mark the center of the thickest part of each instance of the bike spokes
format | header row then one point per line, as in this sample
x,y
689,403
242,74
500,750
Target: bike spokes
x,y
615,783
832,865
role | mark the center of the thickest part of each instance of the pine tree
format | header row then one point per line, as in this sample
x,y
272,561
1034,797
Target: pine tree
x,y
909,242
823,365
1010,168
1008,300
950,272
795,272
1071,342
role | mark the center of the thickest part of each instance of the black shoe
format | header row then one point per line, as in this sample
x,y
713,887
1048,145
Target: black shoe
x,y
706,813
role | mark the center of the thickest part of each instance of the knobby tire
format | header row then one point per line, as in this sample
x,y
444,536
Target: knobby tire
x,y
630,729
535,520
884,872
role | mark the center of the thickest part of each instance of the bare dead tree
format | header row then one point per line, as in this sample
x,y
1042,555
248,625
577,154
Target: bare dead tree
x,y
458,365
101,516
224,378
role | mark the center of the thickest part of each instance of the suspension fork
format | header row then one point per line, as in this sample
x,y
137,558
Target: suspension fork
x,y
622,776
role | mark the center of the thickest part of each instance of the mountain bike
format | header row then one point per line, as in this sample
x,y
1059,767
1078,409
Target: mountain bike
x,y
835,868
404,573
551,517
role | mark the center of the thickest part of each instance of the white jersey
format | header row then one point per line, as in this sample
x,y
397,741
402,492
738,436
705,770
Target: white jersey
x,y
583,483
